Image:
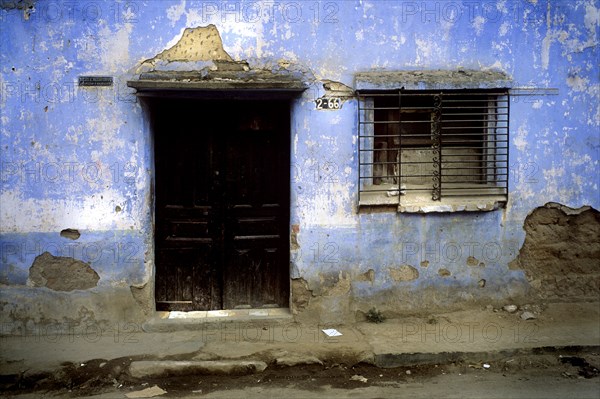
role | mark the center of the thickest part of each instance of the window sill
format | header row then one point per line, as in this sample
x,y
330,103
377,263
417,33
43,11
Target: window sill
x,y
479,204
418,200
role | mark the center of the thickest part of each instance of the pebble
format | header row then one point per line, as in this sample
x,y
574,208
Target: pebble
x,y
510,308
527,316
358,378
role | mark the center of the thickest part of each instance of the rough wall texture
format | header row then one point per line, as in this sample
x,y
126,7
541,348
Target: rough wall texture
x,y
61,273
196,44
89,314
404,273
561,252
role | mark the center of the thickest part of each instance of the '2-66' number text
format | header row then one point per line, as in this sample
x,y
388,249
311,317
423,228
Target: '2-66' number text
x,y
328,103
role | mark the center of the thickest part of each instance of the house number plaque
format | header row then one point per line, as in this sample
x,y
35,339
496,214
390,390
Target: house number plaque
x,y
328,103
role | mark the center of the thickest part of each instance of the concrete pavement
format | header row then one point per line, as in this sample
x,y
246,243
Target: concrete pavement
x,y
196,344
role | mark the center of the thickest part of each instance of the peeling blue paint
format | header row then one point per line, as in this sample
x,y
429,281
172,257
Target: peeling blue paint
x,y
117,256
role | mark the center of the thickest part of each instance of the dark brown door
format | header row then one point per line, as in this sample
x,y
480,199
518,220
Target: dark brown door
x,y
222,204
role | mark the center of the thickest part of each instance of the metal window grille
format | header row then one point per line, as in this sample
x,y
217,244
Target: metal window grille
x,y
442,143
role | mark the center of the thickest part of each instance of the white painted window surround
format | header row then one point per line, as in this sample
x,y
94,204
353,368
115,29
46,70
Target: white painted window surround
x,y
433,141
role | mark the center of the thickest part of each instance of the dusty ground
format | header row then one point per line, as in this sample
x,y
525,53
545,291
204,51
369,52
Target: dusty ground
x,y
521,353
548,373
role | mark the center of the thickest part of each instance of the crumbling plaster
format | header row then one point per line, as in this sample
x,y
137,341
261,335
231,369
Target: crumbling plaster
x,y
561,255
61,273
81,158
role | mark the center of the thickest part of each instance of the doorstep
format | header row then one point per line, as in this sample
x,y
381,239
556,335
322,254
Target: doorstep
x,y
177,321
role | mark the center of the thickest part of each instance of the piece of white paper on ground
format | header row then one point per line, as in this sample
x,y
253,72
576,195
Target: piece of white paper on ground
x,y
332,332
147,393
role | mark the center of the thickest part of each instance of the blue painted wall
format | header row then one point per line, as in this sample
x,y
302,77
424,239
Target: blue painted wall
x,y
81,158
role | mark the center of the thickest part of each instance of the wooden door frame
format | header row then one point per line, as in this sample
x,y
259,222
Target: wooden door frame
x,y
229,96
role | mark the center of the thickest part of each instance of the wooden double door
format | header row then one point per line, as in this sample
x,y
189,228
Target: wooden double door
x,y
222,203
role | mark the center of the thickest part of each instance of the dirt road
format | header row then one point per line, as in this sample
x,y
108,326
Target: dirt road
x,y
543,375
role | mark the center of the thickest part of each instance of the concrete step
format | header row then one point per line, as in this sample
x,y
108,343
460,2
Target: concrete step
x,y
193,321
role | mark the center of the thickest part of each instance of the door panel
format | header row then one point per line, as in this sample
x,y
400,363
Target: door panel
x,y
222,204
183,276
249,276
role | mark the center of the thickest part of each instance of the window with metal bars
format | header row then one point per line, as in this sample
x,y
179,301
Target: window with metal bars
x,y
437,147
